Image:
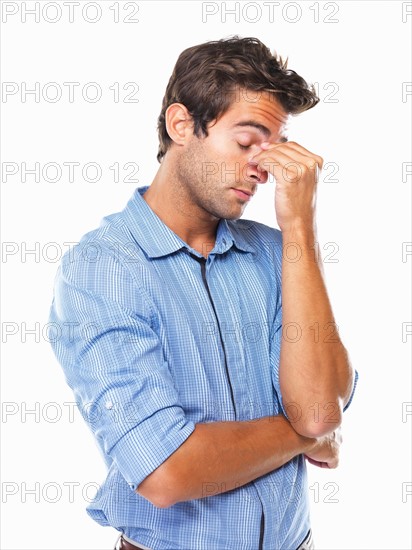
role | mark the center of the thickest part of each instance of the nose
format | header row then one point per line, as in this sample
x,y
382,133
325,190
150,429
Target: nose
x,y
255,174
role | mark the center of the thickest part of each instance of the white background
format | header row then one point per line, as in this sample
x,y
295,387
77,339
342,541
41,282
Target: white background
x,y
365,212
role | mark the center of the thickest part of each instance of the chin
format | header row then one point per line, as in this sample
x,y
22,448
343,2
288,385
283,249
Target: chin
x,y
232,215
235,217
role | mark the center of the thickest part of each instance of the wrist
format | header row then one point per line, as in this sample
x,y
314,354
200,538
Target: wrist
x,y
300,231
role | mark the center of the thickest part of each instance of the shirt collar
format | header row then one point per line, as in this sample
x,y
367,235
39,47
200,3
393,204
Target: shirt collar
x,y
157,239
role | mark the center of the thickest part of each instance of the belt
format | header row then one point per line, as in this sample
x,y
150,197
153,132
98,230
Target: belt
x,y
308,543
123,544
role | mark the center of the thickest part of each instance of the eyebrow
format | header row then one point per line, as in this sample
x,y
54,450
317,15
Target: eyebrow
x,y
260,127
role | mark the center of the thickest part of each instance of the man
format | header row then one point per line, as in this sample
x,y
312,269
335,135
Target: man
x,y
191,349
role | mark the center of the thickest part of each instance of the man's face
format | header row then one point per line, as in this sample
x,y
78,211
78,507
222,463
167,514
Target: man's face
x,y
215,173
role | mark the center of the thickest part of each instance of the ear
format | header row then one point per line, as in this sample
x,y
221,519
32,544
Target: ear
x,y
179,124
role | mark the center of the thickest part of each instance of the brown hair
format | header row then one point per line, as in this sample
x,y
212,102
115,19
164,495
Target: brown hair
x,y
206,76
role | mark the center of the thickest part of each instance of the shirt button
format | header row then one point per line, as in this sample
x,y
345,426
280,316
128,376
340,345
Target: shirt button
x,y
109,405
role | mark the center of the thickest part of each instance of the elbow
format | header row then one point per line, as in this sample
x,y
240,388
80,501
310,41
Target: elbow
x,y
315,430
158,489
158,500
319,421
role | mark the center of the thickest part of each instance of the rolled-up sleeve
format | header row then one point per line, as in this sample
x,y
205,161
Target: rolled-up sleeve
x,y
274,351
113,360
355,382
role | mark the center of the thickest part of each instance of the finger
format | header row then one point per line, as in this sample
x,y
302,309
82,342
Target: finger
x,y
314,462
292,145
275,151
299,148
292,167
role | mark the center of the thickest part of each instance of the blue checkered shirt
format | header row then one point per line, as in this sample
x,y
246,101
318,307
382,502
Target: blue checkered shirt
x,y
153,339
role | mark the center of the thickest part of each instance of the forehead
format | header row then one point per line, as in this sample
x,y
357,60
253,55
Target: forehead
x,y
256,106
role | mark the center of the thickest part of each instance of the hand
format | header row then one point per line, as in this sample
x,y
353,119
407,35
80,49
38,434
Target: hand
x,y
296,171
325,454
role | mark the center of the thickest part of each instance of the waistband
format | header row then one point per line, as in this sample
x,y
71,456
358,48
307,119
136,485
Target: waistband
x,y
124,543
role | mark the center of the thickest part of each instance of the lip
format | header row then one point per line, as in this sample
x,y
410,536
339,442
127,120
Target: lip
x,y
244,194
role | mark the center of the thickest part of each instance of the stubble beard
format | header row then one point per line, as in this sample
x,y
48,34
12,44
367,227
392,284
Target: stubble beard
x,y
196,187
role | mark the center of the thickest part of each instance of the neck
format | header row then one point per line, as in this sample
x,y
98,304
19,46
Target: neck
x,y
168,199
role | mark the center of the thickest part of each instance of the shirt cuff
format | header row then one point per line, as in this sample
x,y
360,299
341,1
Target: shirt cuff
x,y
353,391
141,450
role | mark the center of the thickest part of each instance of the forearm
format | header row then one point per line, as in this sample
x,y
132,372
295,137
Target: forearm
x,y
316,377
225,454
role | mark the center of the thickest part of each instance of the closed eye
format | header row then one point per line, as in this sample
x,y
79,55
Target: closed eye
x,y
243,147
